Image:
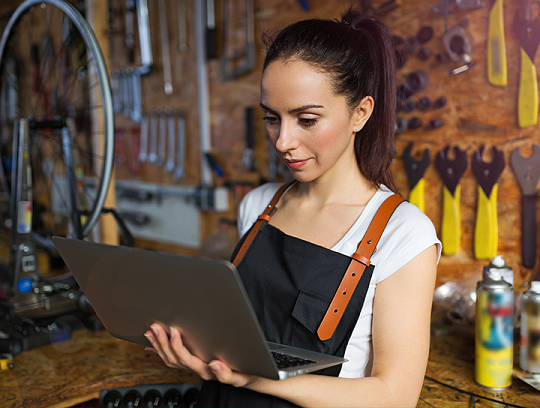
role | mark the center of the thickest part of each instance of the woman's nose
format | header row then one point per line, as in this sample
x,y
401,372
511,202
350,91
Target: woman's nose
x,y
286,139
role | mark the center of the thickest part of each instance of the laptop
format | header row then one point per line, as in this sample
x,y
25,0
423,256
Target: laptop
x,y
131,288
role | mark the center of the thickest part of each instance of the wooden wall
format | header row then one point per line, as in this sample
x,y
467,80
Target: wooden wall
x,y
476,114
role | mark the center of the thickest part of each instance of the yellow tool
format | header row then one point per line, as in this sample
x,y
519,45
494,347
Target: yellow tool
x,y
527,31
486,230
496,47
415,170
451,172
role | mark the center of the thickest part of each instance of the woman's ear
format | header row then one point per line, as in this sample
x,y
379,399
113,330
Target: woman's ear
x,y
362,112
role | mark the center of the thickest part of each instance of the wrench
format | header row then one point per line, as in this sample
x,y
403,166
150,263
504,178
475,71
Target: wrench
x,y
179,169
136,93
169,167
152,157
165,52
162,138
143,149
182,30
127,91
527,171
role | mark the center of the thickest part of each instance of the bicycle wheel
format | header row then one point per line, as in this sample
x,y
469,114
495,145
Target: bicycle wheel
x,y
52,73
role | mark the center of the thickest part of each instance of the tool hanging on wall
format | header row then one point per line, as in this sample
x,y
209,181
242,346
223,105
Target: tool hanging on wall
x,y
179,173
451,172
496,46
247,157
211,34
242,62
154,122
165,50
527,171
527,31
415,170
143,142
129,35
486,231
171,141
182,26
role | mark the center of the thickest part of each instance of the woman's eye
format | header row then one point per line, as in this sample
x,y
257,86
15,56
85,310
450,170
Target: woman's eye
x,y
270,119
307,122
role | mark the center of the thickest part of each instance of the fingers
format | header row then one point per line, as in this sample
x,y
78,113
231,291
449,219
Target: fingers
x,y
173,352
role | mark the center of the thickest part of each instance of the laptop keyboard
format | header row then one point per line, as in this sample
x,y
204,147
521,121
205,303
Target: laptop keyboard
x,y
286,360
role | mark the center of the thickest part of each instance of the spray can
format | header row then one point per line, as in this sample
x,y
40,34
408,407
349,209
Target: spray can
x,y
530,329
498,263
494,345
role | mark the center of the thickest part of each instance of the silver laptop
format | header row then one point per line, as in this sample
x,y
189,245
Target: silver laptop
x,y
131,288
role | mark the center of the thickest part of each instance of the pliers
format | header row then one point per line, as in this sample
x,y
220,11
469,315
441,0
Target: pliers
x,y
415,170
451,172
486,230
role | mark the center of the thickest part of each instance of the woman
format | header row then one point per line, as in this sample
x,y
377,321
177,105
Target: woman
x,y
328,97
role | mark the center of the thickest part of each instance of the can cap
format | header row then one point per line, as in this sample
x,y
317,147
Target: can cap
x,y
498,262
495,274
535,287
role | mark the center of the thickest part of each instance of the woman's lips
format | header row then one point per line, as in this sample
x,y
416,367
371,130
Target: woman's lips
x,y
295,164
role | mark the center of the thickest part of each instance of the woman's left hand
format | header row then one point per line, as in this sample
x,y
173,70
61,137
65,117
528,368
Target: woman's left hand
x,y
175,355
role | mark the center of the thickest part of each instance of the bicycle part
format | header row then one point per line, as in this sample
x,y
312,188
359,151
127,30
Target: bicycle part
x,y
73,86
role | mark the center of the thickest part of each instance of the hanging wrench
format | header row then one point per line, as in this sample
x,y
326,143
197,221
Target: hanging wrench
x,y
152,157
162,137
182,30
136,93
179,169
169,167
143,149
165,52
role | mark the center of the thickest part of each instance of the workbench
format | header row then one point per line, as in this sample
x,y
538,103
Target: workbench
x,y
68,373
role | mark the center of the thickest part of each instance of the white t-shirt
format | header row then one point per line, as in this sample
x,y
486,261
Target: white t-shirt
x,y
407,234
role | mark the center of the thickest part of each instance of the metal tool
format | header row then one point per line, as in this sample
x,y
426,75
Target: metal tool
x,y
136,111
247,157
182,27
496,46
527,31
527,171
128,35
486,230
233,66
449,6
143,144
152,156
451,172
415,170
162,137
180,147
171,132
134,150
145,41
210,34
165,51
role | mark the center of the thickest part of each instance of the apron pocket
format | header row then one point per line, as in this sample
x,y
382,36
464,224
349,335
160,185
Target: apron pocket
x,y
309,311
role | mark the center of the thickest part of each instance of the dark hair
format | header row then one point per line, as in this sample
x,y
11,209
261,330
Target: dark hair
x,y
358,53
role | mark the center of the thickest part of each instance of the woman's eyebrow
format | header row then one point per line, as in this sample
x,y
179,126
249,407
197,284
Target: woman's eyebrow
x,y
295,110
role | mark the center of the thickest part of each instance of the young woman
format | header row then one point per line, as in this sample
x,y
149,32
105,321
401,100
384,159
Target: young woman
x,y
328,96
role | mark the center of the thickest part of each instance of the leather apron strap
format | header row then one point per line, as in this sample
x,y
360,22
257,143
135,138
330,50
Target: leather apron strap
x,y
360,260
263,218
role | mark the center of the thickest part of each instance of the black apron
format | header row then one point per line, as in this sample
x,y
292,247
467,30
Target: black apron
x,y
290,283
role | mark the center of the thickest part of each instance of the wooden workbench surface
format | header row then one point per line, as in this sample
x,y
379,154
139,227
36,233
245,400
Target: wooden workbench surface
x,y
64,374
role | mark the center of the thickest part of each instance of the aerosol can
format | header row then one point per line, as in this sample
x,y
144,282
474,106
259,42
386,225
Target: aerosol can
x,y
494,351
530,329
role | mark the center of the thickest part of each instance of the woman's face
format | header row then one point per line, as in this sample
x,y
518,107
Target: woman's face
x,y
310,126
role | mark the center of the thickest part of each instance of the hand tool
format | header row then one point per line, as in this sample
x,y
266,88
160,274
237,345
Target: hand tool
x,y
452,5
528,34
527,171
486,230
231,66
134,150
180,147
127,95
162,137
152,156
119,147
135,83
145,42
451,172
210,34
116,87
461,69
128,35
247,156
215,166
165,51
182,29
496,46
143,149
171,132
415,170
